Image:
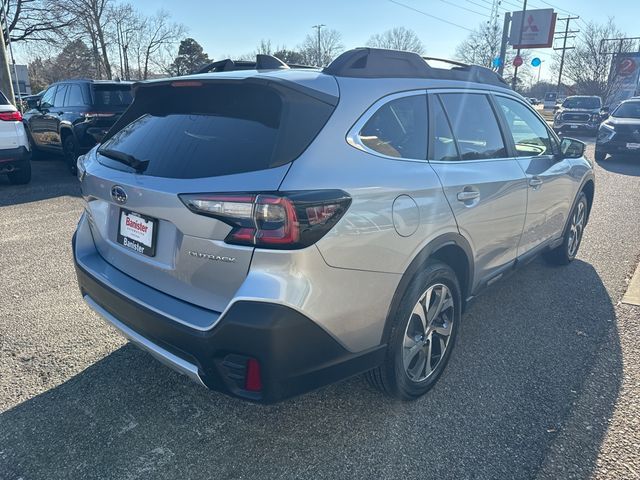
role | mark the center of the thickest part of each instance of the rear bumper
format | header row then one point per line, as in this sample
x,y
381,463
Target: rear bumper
x,y
13,158
575,126
295,354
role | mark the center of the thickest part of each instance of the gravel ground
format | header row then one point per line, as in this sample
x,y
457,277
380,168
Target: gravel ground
x,y
544,382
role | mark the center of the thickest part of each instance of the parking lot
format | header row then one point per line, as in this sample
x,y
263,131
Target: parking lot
x,y
544,382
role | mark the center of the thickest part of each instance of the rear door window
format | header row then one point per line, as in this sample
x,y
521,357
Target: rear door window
x,y
59,98
443,143
474,125
216,129
74,96
398,128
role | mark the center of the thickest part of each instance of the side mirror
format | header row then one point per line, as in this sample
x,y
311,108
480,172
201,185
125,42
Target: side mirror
x,y
33,103
571,148
604,112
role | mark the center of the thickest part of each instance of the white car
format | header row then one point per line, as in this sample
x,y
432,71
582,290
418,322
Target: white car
x,y
15,152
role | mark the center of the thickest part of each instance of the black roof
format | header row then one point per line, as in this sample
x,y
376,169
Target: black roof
x,y
382,63
373,63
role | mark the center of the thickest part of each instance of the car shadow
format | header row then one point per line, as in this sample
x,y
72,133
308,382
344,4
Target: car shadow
x,y
624,164
520,379
49,178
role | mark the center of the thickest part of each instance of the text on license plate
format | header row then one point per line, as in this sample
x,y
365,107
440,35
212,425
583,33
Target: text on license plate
x,y
136,232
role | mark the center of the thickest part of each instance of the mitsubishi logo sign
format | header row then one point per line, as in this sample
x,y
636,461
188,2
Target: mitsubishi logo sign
x,y
530,26
537,28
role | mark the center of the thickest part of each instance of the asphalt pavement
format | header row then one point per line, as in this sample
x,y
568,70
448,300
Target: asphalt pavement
x,y
544,381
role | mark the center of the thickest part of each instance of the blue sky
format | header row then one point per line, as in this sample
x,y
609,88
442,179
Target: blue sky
x,y
228,27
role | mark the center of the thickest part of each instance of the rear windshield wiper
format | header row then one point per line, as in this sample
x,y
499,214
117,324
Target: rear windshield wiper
x,y
133,162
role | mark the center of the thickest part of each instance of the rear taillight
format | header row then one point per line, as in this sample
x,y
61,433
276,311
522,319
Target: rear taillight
x,y
11,116
273,220
92,115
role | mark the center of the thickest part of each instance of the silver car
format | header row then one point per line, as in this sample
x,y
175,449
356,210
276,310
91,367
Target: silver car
x,y
268,230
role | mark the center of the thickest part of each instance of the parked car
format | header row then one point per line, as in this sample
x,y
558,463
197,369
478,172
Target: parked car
x,y
533,101
620,133
72,116
579,113
15,153
374,199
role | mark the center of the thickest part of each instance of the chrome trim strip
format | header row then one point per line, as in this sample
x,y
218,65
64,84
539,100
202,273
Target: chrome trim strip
x,y
164,356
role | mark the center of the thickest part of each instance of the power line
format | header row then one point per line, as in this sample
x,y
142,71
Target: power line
x,y
463,8
431,16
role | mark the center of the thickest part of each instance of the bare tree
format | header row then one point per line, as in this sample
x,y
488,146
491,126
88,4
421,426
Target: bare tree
x,y
34,20
157,33
325,48
126,25
482,46
586,66
92,22
398,38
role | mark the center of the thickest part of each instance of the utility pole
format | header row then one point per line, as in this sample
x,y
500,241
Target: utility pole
x,y
503,45
564,48
13,60
515,70
5,77
318,28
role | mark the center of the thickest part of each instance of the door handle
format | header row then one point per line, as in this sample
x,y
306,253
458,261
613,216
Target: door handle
x,y
535,182
467,195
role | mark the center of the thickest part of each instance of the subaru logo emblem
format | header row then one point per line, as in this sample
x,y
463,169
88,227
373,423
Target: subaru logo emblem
x,y
118,194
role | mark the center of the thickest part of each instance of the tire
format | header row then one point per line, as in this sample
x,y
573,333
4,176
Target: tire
x,y
70,152
600,156
567,251
405,373
21,176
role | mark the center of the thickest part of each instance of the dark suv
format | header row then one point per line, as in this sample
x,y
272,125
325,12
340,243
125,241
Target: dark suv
x,y
73,115
579,113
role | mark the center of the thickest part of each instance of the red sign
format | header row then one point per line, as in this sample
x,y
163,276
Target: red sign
x,y
626,66
517,61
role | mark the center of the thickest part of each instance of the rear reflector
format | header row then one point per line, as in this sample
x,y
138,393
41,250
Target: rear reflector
x,y
11,116
253,382
284,221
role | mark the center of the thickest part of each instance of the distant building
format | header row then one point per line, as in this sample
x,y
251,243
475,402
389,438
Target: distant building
x,y
23,84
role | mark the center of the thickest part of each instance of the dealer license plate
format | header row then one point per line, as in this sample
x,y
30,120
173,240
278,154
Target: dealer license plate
x,y
137,232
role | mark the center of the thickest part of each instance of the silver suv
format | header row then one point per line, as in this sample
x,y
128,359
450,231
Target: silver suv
x,y
267,230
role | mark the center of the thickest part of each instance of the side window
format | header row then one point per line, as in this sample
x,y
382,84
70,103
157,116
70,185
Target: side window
x,y
474,125
398,128
59,99
74,96
47,99
530,135
443,144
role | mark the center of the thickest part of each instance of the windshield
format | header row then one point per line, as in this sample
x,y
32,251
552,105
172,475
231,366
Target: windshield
x,y
627,110
590,103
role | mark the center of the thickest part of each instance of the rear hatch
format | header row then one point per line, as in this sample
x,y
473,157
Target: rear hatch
x,y
186,137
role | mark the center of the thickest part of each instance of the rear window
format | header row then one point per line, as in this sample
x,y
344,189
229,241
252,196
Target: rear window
x,y
112,95
216,129
3,99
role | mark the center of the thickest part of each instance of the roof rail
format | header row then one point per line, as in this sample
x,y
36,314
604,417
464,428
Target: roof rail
x,y
263,62
382,63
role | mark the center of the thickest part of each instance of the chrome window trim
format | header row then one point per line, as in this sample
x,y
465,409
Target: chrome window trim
x,y
353,137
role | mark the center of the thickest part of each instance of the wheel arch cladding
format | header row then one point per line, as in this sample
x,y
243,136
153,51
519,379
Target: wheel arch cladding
x,y
451,249
589,191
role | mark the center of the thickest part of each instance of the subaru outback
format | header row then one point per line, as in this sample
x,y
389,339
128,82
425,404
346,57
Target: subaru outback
x,y
268,230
